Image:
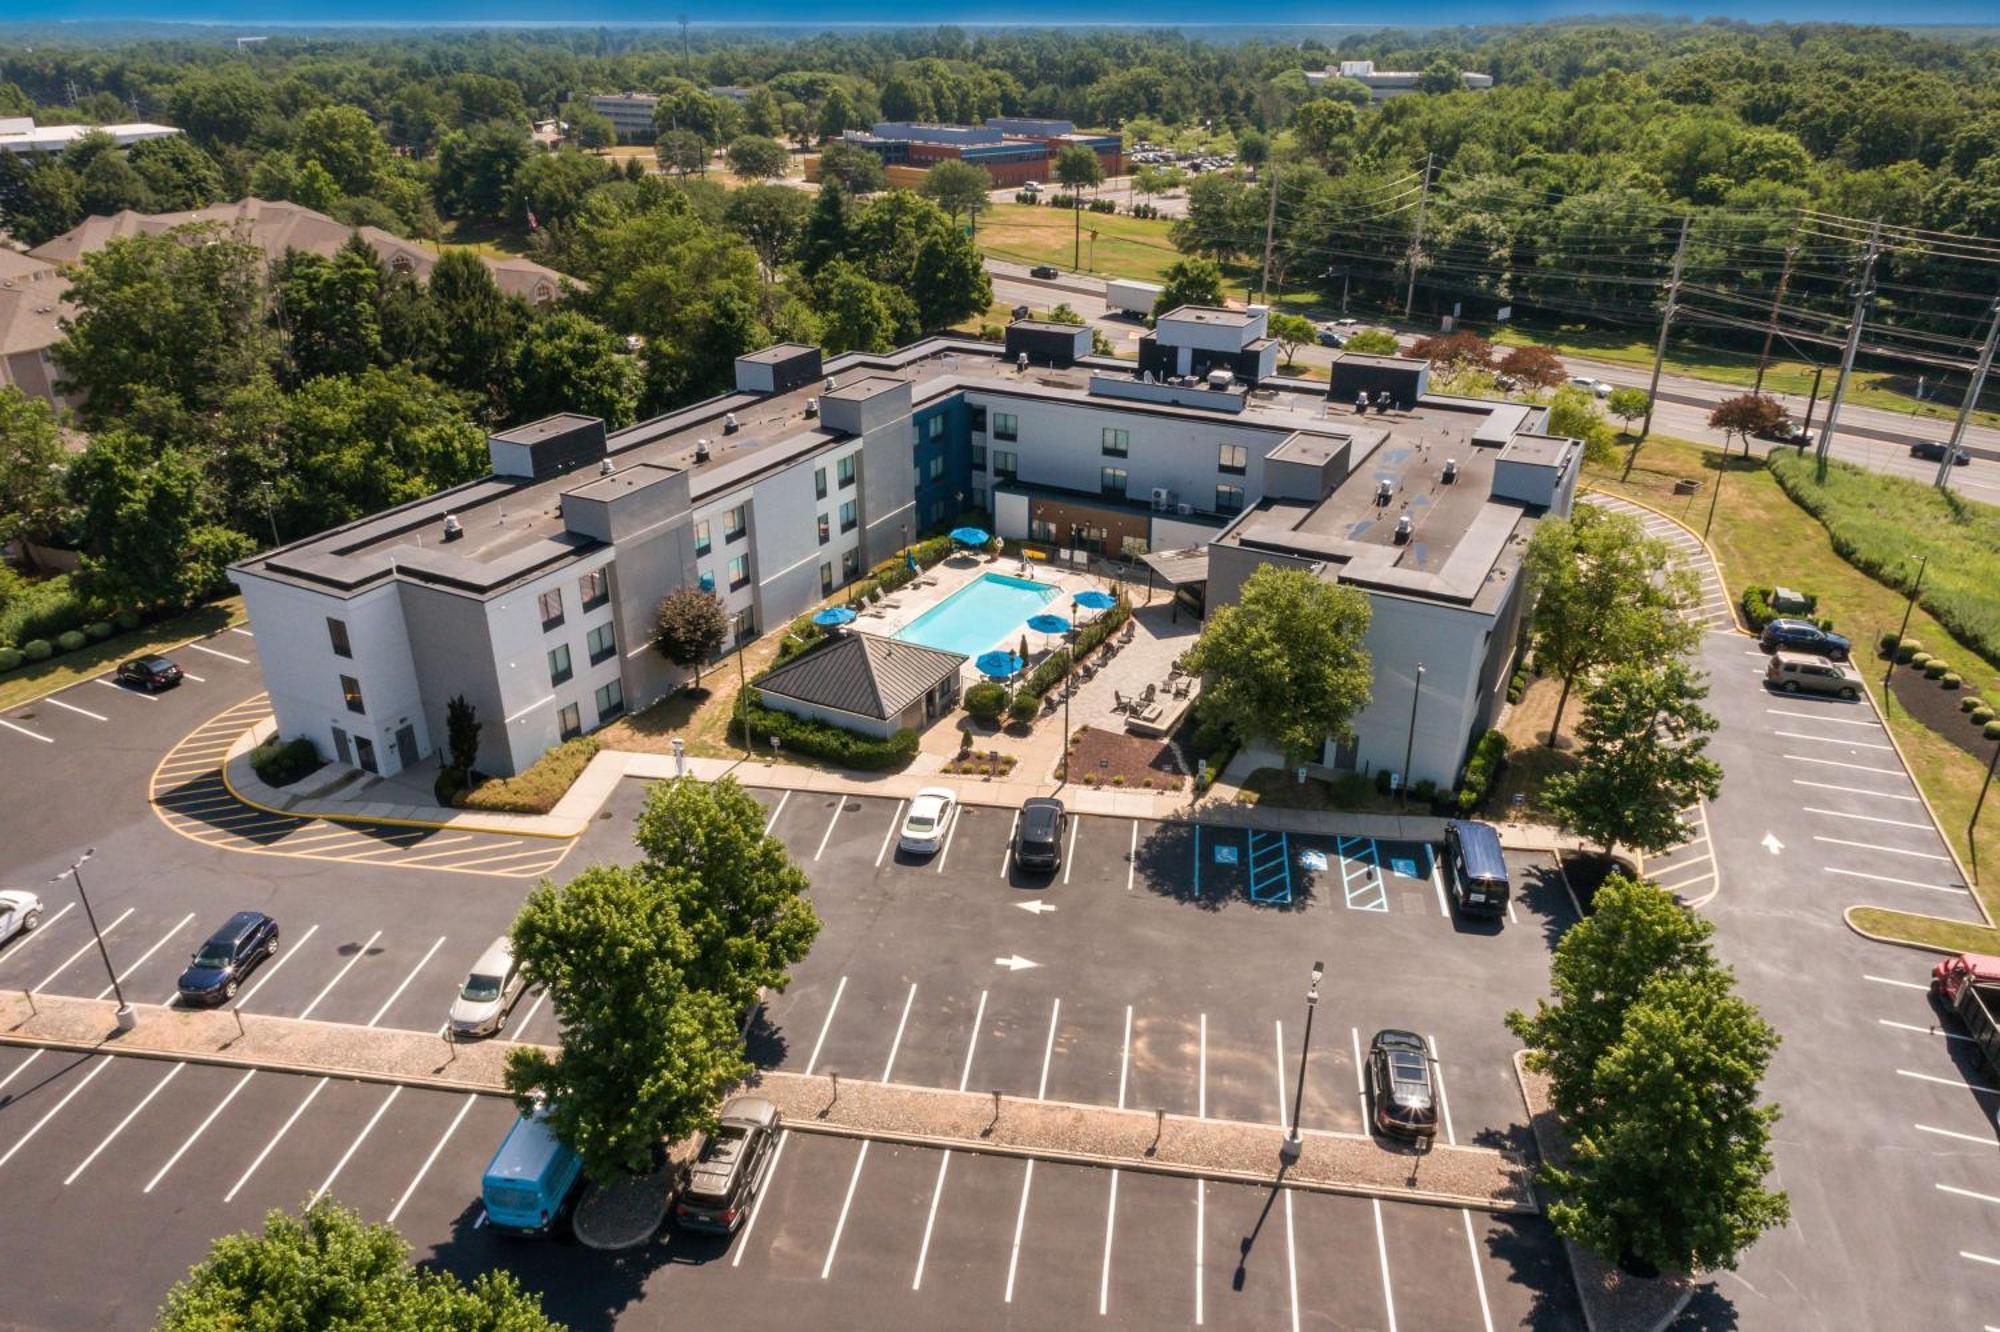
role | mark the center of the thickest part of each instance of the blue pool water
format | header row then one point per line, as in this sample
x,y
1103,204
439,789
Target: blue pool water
x,y
980,614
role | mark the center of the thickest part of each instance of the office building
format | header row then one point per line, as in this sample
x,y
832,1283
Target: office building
x,y
1383,84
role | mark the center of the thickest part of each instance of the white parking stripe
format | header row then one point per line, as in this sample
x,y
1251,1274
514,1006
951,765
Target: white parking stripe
x,y
71,707
126,974
102,1063
1889,980
944,852
284,955
21,1068
132,693
1360,1088
888,834
839,804
825,1023
1836,763
1104,1276
190,675
359,953
1444,1101
1478,1277
355,1146
1949,1133
1968,1193
431,1160
776,810
826,1268
1069,857
1020,1221
1865,818
1821,716
1437,881
1855,790
245,632
1007,852
890,1065
1976,1088
1979,1258
1131,866
757,1207
1689,863
1201,1086
85,948
130,1115
276,1138
1889,850
1200,1241
1923,1031
200,1129
1906,883
226,656
937,1190
32,735
1382,1253
398,991
1836,740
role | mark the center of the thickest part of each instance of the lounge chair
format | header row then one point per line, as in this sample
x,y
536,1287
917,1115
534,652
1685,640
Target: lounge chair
x,y
1181,687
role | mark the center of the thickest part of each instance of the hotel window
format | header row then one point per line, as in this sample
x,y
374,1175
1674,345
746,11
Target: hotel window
x,y
337,631
594,589
1005,425
825,529
978,457
1005,465
559,670
735,523
843,470
570,721
978,421
1233,459
850,565
610,702
848,521
934,428
819,483
1117,443
739,571
702,543
937,467
826,580
350,690
552,610
1229,499
602,643
1112,481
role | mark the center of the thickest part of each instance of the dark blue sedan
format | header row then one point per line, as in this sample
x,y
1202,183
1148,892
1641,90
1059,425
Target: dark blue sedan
x,y
219,965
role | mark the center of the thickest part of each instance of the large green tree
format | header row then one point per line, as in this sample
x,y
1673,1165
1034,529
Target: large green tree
x,y
352,445
1078,166
771,218
568,362
33,497
330,309
149,523
854,168
476,169
480,327
958,187
1641,757
756,157
1286,663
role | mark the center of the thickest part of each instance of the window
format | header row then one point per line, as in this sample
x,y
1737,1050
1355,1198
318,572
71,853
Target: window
x,y
850,564
1005,465
1112,481
1042,530
978,457
937,467
979,498
593,589
552,609
819,483
1117,443
825,529
735,523
843,470
978,423
559,669
1233,459
934,428
570,721
1229,499
610,702
350,690
739,571
1005,425
848,520
826,580
746,625
337,631
702,542
602,643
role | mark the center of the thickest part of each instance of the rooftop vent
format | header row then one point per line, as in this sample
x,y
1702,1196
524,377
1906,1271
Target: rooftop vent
x,y
701,450
607,467
1383,490
832,383
812,408
1220,379
1022,362
1403,526
452,528
729,426
1450,470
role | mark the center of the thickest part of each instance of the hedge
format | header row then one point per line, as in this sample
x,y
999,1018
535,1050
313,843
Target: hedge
x,y
1971,701
1992,730
817,739
128,620
1951,680
10,658
45,608
70,640
1759,611
99,630
1489,755
1937,668
537,788
1056,665
37,649
985,700
282,762
1023,706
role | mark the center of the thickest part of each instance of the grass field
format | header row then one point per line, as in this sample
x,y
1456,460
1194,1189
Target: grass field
x,y
1129,247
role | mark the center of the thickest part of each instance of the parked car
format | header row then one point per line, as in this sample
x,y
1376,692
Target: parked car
x,y
1969,985
1797,674
20,912
489,992
1401,1094
1788,432
1038,839
532,1179
1032,187
728,1173
1933,450
1804,636
1043,271
1478,869
1330,337
151,674
929,818
231,953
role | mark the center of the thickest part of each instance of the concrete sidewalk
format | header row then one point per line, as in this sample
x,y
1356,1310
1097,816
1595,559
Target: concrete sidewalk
x,y
988,1122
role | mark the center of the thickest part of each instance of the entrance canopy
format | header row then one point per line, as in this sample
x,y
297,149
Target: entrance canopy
x,y
1178,568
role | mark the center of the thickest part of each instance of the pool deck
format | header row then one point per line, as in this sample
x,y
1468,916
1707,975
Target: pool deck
x,y
940,582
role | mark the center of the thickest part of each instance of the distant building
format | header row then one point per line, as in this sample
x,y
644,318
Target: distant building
x,y
34,298
20,134
1383,84
1013,151
630,114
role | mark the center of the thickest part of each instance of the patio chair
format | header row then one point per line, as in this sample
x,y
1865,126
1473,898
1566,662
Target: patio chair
x,y
1119,702
1181,687
1147,696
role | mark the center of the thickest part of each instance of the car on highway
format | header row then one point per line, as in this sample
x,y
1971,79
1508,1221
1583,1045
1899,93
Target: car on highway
x,y
1044,271
20,912
1933,450
1598,386
1332,337
1793,635
1787,432
151,674
230,954
1795,673
928,820
1401,1094
730,1169
1038,838
491,987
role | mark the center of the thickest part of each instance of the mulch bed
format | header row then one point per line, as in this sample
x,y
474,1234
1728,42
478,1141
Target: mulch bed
x,y
1587,871
1937,707
1104,755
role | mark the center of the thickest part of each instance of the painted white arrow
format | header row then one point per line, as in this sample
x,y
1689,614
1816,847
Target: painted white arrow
x,y
1772,844
1037,907
1014,963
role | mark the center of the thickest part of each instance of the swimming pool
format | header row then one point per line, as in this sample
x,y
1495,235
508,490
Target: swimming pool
x,y
980,614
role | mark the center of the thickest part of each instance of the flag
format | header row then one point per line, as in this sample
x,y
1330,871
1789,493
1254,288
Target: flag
x,y
532,224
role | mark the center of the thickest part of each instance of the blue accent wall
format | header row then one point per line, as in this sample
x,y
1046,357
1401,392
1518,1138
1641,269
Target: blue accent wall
x,y
949,447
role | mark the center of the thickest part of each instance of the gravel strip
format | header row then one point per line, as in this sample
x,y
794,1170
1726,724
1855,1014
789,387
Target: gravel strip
x,y
627,1212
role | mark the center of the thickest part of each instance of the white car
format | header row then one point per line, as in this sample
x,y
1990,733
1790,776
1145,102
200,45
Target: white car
x,y
20,912
924,827
1597,386
491,988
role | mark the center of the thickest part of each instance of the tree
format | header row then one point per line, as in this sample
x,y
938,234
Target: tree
x,y
328,1268
857,313
344,142
771,218
949,279
1191,281
1293,332
589,129
461,728
1373,342
689,628
1286,663
754,157
1077,166
1574,414
1745,415
33,504
149,530
1457,350
568,362
1533,366
1603,592
549,188
1628,405
684,108
958,187
330,309
1441,75
1253,149
852,167
480,326
357,444
476,168
177,173
681,152
1324,127
1641,759
825,238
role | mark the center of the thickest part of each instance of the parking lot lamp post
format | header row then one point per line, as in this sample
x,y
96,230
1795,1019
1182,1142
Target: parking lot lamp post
x,y
127,1019
1903,629
1289,1151
1978,805
1068,688
1410,744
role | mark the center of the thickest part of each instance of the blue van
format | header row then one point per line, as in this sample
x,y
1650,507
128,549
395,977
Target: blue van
x,y
531,1180
1478,869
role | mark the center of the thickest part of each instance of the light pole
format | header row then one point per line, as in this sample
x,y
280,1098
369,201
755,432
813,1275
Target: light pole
x,y
1068,688
1292,1146
1903,630
127,1019
1410,744
271,512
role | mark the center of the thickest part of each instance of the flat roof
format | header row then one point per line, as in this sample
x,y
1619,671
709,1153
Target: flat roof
x,y
546,428
1209,314
777,353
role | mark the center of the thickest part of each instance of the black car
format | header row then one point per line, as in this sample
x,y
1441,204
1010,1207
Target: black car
x,y
219,966
1043,271
725,1177
1932,450
1038,841
1401,1094
1332,338
151,674
1789,635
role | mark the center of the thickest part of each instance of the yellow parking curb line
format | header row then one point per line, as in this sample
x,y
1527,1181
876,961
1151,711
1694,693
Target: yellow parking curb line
x,y
1721,573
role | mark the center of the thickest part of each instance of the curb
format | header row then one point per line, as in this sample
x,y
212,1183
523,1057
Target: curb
x,y
1720,575
1934,950
217,1059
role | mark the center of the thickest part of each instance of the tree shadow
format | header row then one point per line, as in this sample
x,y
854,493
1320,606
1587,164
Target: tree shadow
x,y
1532,1254
583,1289
1709,1310
1177,860
765,1045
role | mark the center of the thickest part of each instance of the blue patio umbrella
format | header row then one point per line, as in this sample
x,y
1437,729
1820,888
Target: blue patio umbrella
x,y
834,616
1094,600
998,665
971,536
910,558
1049,624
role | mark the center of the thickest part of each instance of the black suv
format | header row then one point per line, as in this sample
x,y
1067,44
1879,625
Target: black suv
x,y
1804,636
151,674
1038,844
219,966
1044,271
1401,1095
725,1177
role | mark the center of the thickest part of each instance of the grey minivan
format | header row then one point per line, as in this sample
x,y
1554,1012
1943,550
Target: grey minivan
x,y
1796,673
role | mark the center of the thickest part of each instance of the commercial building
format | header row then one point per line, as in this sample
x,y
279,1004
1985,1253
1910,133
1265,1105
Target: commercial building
x,y
34,300
20,134
532,591
630,114
1013,151
1383,84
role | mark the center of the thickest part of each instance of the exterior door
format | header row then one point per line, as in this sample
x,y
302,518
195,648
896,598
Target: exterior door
x,y
406,747
341,749
364,753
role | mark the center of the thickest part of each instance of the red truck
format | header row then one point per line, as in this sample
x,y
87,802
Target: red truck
x,y
1969,985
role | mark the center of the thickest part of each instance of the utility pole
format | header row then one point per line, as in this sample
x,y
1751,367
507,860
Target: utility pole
x,y
1864,290
1972,392
1270,233
1666,323
1417,240
1777,304
687,56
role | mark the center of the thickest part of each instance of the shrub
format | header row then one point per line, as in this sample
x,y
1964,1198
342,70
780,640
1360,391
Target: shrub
x,y
449,784
70,640
1887,642
1489,755
1757,606
282,762
536,788
1920,659
1951,680
816,739
1969,702
1384,780
37,649
128,620
45,608
1424,791
1937,668
1991,730
1981,715
99,630
1905,650
1023,706
985,700
9,658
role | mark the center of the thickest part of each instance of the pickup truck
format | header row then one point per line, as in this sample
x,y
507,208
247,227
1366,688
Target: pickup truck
x,y
1969,985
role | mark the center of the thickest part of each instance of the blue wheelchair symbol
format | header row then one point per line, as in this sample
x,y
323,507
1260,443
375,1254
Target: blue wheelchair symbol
x,y
1225,855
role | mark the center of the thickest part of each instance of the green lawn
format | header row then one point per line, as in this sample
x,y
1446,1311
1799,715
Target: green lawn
x,y
1129,247
65,669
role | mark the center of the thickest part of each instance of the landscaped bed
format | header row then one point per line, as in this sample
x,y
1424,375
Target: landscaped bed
x,y
1106,758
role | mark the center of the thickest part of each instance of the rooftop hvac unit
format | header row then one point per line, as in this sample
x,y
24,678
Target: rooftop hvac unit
x,y
1184,510
729,426
1403,526
1162,498
607,467
452,528
1220,379
1450,470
